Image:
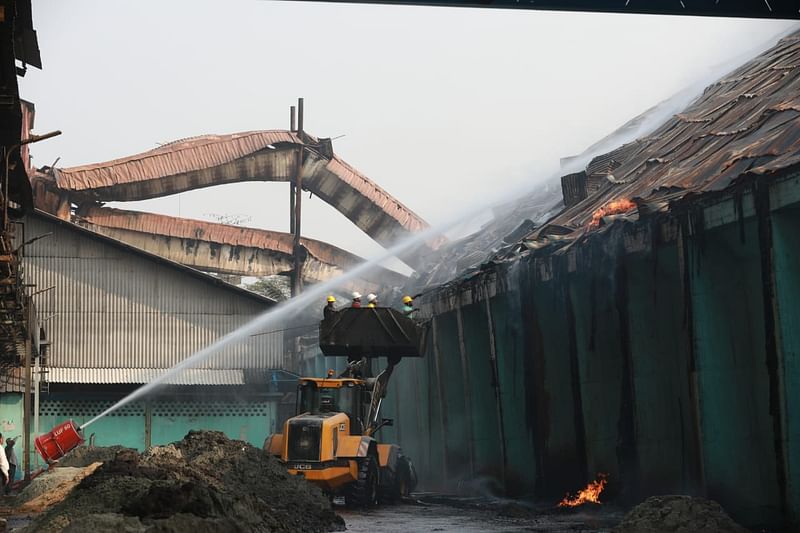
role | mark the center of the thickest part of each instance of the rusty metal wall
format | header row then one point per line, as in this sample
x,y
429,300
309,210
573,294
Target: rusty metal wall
x,y
113,307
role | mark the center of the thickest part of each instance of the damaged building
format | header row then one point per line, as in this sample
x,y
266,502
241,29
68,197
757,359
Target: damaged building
x,y
647,329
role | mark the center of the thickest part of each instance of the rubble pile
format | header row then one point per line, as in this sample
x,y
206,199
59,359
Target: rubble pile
x,y
83,456
48,489
678,514
206,482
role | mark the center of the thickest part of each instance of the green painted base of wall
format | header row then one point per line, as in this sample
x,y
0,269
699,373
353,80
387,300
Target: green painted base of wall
x,y
169,421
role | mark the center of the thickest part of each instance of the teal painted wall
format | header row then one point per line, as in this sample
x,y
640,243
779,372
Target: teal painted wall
x,y
736,428
11,425
518,413
171,421
483,406
251,422
454,400
559,428
666,436
411,393
786,243
600,360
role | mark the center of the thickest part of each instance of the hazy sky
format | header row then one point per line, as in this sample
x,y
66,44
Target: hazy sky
x,y
439,106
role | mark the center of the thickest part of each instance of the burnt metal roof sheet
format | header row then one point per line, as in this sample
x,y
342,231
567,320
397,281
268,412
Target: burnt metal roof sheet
x,y
745,124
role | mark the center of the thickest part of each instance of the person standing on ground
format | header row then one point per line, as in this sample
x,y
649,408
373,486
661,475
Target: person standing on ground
x,y
329,309
372,300
11,457
3,461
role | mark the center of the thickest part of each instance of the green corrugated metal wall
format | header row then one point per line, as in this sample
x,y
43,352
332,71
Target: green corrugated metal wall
x,y
600,366
670,368
664,414
457,441
483,411
733,385
786,243
558,422
513,371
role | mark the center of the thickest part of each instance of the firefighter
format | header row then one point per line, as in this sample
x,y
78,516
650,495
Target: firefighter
x,y
329,309
356,300
408,307
372,300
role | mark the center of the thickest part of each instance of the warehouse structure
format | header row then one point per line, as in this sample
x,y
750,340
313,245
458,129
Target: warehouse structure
x,y
648,330
113,317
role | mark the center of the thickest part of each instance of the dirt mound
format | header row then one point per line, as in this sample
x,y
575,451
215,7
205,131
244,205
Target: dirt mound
x,y
51,488
678,514
84,456
206,482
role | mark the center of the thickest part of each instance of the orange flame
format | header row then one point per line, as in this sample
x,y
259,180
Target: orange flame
x,y
591,494
622,205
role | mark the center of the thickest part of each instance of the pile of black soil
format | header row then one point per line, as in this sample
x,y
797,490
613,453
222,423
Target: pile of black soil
x,y
206,482
678,514
84,456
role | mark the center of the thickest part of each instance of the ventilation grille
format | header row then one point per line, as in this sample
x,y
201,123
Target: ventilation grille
x,y
90,408
213,409
87,408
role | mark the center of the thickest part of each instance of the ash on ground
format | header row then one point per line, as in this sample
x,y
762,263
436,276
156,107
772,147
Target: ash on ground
x,y
206,482
678,514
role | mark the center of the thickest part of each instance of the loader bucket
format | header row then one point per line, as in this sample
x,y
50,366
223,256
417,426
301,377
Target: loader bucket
x,y
371,332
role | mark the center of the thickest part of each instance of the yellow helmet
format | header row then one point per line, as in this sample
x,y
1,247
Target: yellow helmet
x,y
331,299
407,299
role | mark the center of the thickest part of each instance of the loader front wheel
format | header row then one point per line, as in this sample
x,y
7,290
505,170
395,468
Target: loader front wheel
x,y
364,492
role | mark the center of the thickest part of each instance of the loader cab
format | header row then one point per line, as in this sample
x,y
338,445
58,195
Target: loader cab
x,y
328,396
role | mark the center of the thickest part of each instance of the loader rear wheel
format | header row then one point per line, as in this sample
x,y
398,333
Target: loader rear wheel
x,y
364,492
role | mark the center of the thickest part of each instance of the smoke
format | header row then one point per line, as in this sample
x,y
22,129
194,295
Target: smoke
x,y
284,311
650,120
645,124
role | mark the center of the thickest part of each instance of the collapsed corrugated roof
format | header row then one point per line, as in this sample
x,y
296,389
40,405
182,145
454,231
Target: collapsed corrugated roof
x,y
324,261
251,156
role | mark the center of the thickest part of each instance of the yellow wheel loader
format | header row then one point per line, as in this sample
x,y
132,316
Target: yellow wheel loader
x,y
332,439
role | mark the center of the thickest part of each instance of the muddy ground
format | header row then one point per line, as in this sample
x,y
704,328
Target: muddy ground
x,y
458,515
208,482
432,512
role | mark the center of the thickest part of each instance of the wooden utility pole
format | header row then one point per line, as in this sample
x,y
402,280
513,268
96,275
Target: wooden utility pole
x,y
298,253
